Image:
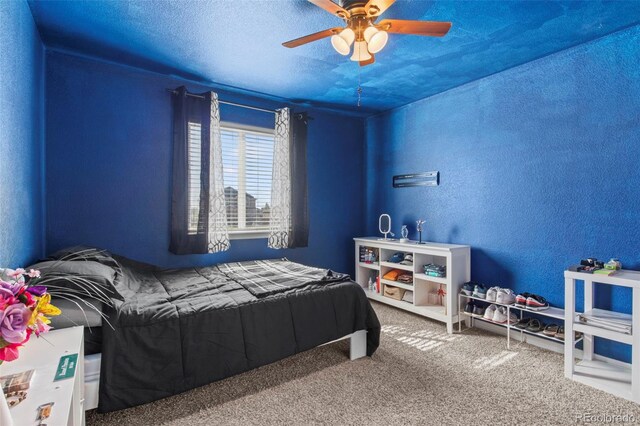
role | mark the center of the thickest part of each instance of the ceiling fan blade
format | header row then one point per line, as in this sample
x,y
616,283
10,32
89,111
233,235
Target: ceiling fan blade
x,y
331,7
377,7
424,28
368,61
312,37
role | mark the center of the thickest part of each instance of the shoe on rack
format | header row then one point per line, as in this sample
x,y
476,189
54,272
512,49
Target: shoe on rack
x,y
523,323
469,307
535,326
505,296
513,318
479,291
491,294
537,303
489,312
500,315
521,299
467,288
551,330
478,310
560,334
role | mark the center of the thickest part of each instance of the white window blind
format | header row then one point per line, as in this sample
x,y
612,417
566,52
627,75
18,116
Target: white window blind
x,y
195,149
247,157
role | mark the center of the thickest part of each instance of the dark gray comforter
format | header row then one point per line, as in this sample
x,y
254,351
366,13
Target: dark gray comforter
x,y
181,328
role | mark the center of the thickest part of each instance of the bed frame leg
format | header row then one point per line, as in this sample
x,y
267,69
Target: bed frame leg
x,y
358,343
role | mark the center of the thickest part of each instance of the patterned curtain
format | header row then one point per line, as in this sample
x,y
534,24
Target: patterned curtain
x,y
280,222
217,235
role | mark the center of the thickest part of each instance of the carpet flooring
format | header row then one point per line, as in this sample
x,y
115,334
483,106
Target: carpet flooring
x,y
419,375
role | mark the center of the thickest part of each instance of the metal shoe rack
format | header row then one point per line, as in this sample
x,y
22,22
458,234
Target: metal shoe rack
x,y
552,313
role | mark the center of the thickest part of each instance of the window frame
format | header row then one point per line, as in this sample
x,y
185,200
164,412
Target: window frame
x,y
247,234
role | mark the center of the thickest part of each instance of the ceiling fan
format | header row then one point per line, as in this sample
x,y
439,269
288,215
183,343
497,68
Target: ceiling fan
x,y
367,36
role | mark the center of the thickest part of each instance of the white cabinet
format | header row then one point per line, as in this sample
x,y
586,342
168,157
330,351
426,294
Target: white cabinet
x,y
611,376
456,258
42,355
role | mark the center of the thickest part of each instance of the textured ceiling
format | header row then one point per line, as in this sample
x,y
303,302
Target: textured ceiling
x,y
238,43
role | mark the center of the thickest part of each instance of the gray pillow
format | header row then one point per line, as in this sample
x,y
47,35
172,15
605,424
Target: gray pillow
x,y
54,273
73,315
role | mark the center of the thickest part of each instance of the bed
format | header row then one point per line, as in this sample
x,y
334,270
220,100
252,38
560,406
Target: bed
x,y
172,330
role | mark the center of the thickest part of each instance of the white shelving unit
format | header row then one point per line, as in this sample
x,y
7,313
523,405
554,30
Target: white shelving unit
x,y
617,378
42,355
552,313
456,258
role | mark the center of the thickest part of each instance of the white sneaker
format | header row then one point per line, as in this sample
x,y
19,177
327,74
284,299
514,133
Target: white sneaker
x,y
513,318
490,312
492,293
505,296
500,315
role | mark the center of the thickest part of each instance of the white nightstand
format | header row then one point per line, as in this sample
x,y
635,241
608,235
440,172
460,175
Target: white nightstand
x,y
42,355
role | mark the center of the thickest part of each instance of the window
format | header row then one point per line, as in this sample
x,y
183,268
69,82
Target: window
x,y
195,226
247,157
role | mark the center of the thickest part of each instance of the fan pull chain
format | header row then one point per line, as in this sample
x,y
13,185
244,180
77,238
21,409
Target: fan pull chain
x,y
359,90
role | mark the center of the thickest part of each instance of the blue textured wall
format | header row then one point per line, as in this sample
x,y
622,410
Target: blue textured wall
x,y
21,112
539,168
109,168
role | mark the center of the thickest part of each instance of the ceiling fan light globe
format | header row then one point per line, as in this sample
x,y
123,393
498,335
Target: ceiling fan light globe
x,y
340,45
378,41
348,35
368,33
360,52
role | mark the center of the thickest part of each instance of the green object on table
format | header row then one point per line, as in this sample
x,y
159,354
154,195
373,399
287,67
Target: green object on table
x,y
66,367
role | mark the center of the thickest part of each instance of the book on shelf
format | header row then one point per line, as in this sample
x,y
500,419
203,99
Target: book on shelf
x,y
614,321
592,270
606,272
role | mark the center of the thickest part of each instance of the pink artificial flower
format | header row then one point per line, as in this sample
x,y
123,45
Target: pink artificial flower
x,y
34,273
30,299
9,353
17,273
41,326
6,298
13,323
13,287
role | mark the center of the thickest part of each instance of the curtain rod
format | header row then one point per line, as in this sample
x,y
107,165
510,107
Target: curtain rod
x,y
226,103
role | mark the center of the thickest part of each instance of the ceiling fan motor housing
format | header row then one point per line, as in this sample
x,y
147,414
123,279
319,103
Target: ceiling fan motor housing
x,y
358,23
348,4
357,8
